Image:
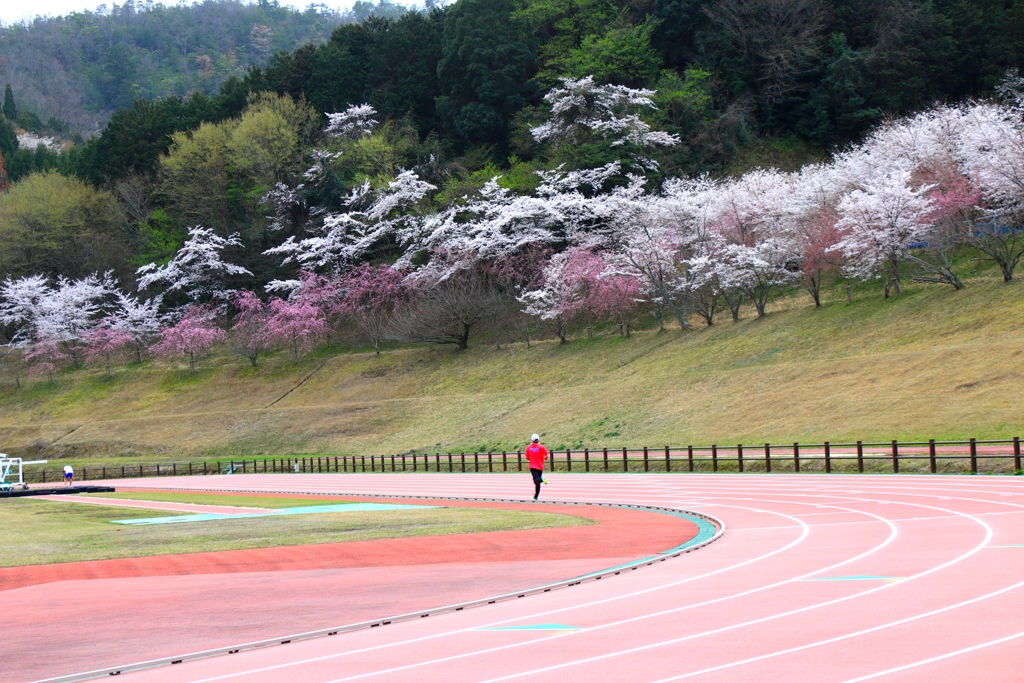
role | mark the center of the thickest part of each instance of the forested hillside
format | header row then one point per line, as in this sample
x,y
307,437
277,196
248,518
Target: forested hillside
x,y
70,73
522,169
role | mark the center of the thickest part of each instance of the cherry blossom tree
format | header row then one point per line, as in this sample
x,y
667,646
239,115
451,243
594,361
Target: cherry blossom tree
x,y
373,297
191,336
46,357
299,324
992,154
354,122
882,221
817,238
103,341
580,286
140,319
250,332
580,108
198,270
60,314
374,216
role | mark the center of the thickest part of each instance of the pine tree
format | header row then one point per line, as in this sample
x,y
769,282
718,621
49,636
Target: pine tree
x,y
10,109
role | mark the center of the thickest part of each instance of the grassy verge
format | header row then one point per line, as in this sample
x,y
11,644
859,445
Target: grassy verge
x,y
55,532
933,363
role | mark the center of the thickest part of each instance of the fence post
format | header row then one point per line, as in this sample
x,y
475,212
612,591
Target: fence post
x,y
519,460
141,474
490,462
739,457
586,459
796,457
605,459
895,457
625,459
451,467
767,458
714,458
476,462
1016,453
463,455
689,456
157,471
668,460
931,455
646,465
974,457
568,460
828,458
504,461
860,457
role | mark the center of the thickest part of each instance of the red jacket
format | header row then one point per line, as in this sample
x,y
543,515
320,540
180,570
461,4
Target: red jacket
x,y
537,455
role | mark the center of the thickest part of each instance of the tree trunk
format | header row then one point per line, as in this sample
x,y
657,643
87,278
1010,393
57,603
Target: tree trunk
x,y
734,305
192,361
464,338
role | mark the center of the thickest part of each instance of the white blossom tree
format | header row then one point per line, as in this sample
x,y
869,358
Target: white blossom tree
x,y
882,221
58,315
373,217
198,270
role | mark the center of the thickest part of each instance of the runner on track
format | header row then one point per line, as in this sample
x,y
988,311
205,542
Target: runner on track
x,y
69,475
537,455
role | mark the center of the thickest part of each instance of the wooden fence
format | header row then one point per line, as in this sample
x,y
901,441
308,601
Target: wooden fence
x,y
918,457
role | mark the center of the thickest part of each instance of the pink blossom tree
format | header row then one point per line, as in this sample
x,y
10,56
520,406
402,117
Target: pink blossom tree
x,y
191,336
250,334
817,239
103,341
46,357
298,324
373,295
582,287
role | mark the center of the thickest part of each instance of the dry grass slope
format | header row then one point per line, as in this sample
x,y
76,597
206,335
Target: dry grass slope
x,y
933,363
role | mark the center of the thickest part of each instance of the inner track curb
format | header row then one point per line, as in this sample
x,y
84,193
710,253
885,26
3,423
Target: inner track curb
x,y
456,607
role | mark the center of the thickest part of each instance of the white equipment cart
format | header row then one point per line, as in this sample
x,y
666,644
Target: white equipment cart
x,y
10,466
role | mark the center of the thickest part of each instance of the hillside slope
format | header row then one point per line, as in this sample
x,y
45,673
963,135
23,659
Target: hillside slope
x,y
931,364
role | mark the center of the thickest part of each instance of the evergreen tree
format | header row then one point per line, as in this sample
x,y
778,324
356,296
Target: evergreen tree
x,y
10,110
484,70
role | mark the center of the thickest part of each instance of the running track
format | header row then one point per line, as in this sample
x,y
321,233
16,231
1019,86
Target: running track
x,y
817,578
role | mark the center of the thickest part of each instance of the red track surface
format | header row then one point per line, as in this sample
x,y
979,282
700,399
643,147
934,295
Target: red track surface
x,y
745,609
111,612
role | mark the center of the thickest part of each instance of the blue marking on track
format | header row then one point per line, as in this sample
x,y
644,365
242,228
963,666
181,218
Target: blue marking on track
x,y
533,627
307,510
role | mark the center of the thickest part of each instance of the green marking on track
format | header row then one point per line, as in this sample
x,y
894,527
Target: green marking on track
x,y
305,510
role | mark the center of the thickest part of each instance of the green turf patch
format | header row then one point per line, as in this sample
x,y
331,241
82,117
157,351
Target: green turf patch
x,y
44,531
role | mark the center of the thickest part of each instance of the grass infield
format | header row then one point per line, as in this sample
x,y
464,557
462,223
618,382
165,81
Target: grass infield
x,y
47,532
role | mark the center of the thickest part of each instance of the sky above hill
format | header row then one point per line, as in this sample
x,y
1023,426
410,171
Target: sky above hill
x,y
11,12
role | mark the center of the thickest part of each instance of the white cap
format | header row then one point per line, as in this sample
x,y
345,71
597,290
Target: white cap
x,y
535,437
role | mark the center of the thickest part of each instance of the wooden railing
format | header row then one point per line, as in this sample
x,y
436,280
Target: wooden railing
x,y
918,457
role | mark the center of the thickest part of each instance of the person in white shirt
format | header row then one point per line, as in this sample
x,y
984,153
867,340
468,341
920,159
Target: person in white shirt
x,y
69,475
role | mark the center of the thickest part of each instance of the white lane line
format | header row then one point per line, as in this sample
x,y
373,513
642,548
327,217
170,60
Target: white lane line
x,y
889,539
754,622
536,615
847,636
938,658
